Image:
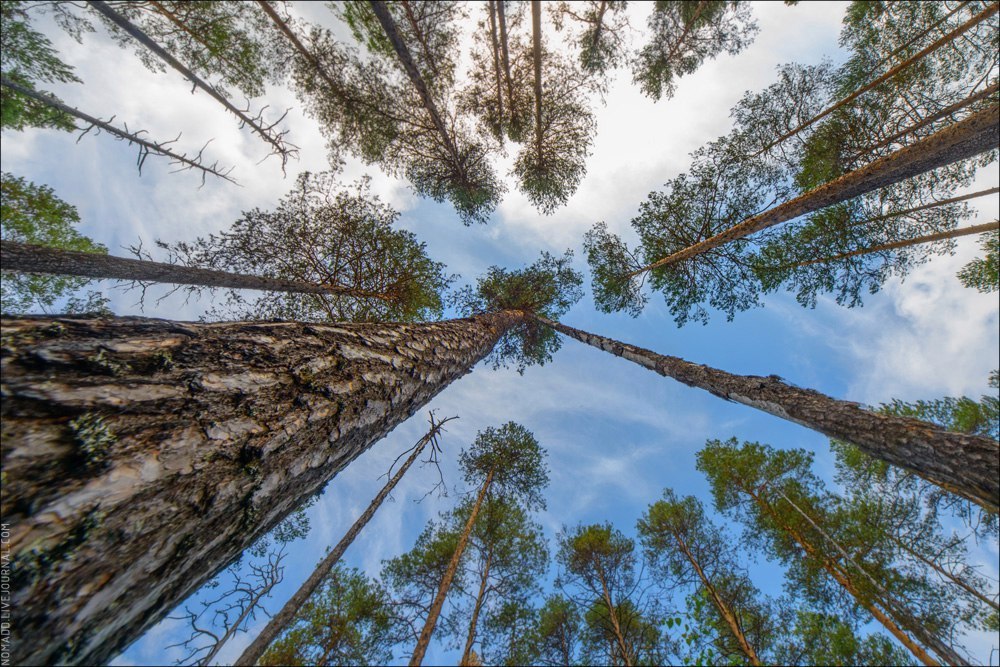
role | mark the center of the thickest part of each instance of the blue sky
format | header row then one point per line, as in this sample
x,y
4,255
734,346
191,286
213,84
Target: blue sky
x,y
616,434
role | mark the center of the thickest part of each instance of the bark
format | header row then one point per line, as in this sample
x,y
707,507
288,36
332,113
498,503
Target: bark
x,y
283,618
174,446
275,140
837,573
449,575
976,134
958,462
25,258
410,67
480,597
133,138
929,238
727,614
954,34
536,51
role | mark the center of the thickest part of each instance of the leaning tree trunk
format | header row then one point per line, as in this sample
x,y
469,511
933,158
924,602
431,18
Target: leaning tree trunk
x,y
449,575
283,618
25,258
976,134
142,456
958,462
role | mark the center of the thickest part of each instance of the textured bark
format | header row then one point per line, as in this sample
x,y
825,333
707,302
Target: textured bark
x,y
958,462
277,144
410,67
283,618
27,258
536,54
449,575
142,456
946,39
727,614
976,134
929,238
131,137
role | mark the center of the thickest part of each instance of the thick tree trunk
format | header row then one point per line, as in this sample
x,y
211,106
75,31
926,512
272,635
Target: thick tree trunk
x,y
275,140
727,614
976,134
536,54
142,456
946,39
929,238
410,67
449,575
283,618
25,258
960,463
145,146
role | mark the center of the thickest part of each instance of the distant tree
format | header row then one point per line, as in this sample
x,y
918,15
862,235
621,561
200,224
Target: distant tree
x,y
920,447
548,287
819,638
983,273
29,59
684,35
324,234
558,633
31,213
686,550
600,35
598,570
325,569
784,506
505,462
508,632
349,621
551,164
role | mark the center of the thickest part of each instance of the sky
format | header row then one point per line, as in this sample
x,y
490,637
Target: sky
x,y
616,434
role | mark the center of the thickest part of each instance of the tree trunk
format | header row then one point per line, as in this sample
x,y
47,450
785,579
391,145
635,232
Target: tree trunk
x,y
495,39
976,134
174,446
283,618
949,37
727,614
960,463
616,627
536,51
449,575
24,258
596,41
276,140
948,576
471,636
675,47
145,146
940,236
410,67
160,9
421,38
505,53
235,627
924,207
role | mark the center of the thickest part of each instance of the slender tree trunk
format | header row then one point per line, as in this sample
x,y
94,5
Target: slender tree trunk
x,y
976,134
283,618
676,46
842,578
24,258
277,142
162,10
940,236
505,53
145,146
449,575
896,609
924,207
492,7
421,38
174,446
960,463
596,41
410,67
954,34
948,576
720,604
536,51
471,636
616,627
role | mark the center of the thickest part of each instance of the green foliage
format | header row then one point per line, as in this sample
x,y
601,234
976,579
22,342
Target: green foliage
x,y
348,621
29,59
825,639
685,35
549,287
983,273
610,263
33,214
600,38
558,632
93,438
513,457
324,233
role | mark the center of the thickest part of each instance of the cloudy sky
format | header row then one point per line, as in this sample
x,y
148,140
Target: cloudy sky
x,y
616,434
